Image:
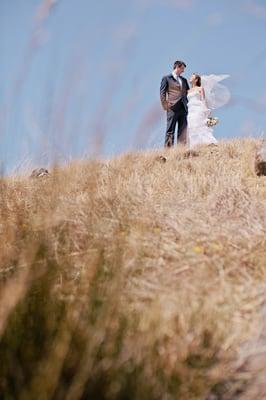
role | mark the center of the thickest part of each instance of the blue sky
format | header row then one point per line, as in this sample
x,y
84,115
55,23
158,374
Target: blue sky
x,y
81,75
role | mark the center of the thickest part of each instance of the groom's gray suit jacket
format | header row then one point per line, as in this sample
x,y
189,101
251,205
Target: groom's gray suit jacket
x,y
171,92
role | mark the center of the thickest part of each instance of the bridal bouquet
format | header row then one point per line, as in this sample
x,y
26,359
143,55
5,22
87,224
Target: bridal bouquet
x,y
212,121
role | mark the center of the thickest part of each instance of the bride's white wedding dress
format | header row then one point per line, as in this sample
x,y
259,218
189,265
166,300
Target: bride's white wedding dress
x,y
216,95
197,131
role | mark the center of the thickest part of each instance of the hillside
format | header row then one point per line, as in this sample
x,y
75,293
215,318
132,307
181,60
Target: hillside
x,y
135,278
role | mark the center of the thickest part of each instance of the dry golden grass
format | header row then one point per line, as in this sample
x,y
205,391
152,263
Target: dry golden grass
x,y
134,278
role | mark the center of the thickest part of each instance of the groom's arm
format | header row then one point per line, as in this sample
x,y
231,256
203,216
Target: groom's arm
x,y
163,92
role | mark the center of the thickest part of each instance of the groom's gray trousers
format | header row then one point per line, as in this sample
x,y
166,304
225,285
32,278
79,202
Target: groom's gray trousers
x,y
177,114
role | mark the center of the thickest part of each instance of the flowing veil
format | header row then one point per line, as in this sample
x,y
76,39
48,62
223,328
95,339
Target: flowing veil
x,y
217,95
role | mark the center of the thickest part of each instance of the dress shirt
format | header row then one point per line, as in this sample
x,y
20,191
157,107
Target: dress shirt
x,y
177,78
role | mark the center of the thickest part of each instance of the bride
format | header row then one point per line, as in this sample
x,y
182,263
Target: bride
x,y
205,94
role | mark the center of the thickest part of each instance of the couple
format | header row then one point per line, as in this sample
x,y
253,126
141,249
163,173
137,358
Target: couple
x,y
190,107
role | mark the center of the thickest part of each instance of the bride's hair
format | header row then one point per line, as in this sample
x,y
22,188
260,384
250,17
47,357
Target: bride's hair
x,y
198,77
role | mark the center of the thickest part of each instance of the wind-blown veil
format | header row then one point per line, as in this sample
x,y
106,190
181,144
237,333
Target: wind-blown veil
x,y
217,95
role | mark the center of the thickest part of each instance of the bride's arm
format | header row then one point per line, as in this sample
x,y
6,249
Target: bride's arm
x,y
202,95
203,98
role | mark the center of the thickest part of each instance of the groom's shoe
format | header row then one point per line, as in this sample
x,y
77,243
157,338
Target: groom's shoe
x,y
191,153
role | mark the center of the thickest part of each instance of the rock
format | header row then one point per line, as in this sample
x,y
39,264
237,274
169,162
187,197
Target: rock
x,y
260,160
162,159
39,173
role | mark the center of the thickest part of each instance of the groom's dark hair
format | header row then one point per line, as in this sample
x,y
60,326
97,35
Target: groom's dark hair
x,y
179,64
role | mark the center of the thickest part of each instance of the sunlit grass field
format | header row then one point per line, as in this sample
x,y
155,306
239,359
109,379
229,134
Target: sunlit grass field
x,y
135,278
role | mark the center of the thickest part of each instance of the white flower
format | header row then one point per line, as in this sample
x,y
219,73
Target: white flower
x,y
212,121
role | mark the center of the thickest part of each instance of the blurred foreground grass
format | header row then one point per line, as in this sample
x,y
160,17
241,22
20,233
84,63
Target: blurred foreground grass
x,y
132,278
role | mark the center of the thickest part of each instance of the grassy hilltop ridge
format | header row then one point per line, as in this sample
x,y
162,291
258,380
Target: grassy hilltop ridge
x,y
134,278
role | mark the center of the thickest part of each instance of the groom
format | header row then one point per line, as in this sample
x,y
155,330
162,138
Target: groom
x,y
173,93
